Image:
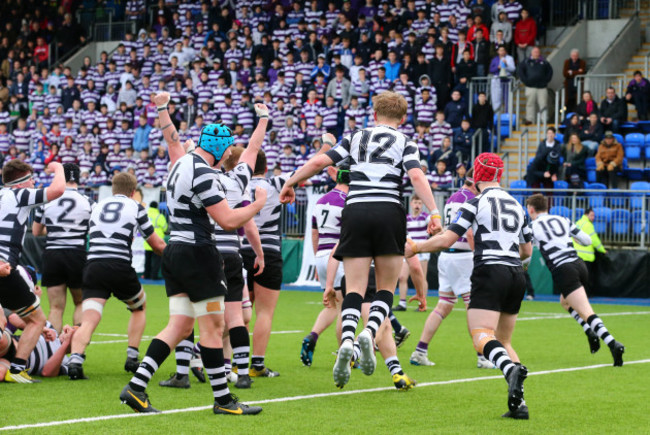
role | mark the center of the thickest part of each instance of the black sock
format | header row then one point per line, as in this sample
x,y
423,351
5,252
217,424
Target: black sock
x,y
599,328
18,365
241,348
497,354
183,352
397,327
379,310
214,367
257,362
350,314
157,352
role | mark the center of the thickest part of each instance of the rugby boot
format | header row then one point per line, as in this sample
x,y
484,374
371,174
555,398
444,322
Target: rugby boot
x,y
617,352
138,401
234,407
516,387
176,380
401,336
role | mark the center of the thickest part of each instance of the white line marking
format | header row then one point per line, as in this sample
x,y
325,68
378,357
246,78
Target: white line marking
x,y
305,397
567,316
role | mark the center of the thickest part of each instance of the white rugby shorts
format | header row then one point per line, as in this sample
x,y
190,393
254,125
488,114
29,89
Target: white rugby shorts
x,y
455,272
321,268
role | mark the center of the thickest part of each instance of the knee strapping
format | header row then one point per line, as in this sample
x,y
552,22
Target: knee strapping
x,y
481,336
450,300
136,303
89,304
466,298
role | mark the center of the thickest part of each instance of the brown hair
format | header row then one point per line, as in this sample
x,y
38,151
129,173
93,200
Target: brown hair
x,y
577,147
390,105
260,163
233,159
415,197
469,177
124,184
14,170
538,202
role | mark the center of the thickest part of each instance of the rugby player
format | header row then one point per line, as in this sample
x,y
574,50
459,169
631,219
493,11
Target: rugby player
x,y
502,238
17,199
454,275
114,222
326,230
554,234
373,223
416,227
66,222
192,266
234,178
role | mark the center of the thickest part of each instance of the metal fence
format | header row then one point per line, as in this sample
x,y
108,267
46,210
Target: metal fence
x,y
113,31
566,13
597,84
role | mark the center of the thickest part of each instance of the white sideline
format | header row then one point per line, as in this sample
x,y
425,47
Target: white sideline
x,y
305,397
104,334
567,316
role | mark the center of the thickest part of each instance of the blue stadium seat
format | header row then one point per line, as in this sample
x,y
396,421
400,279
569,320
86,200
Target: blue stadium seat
x,y
501,122
619,138
633,152
559,137
644,126
636,201
590,164
162,207
579,212
559,184
620,221
561,211
519,196
568,116
647,140
637,222
603,218
634,139
617,199
596,199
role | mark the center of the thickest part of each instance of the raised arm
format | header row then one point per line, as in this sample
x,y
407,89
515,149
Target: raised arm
x,y
174,147
57,187
249,156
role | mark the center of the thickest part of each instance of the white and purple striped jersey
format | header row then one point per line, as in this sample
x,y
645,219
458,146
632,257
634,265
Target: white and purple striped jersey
x,y
416,226
554,233
452,206
113,224
438,132
268,219
66,220
379,157
15,207
235,184
499,225
326,218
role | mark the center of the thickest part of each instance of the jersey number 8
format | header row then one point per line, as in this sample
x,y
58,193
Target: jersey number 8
x,y
111,212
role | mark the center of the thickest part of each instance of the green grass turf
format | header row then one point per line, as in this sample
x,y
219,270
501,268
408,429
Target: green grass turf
x,y
602,400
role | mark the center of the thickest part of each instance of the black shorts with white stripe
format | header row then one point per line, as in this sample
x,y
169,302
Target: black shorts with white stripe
x,y
16,293
372,229
63,266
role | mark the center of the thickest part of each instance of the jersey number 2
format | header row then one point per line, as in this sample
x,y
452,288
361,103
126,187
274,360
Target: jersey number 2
x,y
68,204
377,156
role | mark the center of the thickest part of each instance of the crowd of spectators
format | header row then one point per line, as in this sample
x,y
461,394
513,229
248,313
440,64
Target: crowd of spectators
x,y
316,64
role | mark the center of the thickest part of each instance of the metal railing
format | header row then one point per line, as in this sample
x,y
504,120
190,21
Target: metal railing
x,y
524,141
476,85
597,84
542,122
506,162
647,64
113,30
560,106
477,140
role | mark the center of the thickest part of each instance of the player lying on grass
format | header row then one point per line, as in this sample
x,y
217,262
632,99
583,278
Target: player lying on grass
x,y
454,275
502,238
554,233
384,339
373,223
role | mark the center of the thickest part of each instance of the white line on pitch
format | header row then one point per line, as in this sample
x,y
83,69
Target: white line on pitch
x,y
149,337
567,316
305,397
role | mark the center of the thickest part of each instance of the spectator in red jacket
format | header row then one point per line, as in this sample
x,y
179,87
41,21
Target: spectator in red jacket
x,y
525,34
41,52
478,24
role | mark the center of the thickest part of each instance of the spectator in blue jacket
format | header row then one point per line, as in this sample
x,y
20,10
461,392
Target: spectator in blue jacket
x,y
141,138
321,67
463,141
637,93
392,67
455,110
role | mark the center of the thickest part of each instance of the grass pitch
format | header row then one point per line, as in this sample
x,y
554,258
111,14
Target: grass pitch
x,y
451,397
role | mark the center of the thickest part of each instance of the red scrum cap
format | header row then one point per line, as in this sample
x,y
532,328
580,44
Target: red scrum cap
x,y
488,167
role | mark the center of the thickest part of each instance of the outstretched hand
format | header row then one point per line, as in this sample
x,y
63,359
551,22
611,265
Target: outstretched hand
x,y
161,99
287,195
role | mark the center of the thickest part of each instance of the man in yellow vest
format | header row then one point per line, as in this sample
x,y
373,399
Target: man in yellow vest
x,y
588,253
151,261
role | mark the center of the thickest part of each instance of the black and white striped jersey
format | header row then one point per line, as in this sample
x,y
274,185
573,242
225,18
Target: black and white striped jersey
x,y
379,156
192,185
113,223
499,225
268,219
554,233
66,220
42,352
235,184
15,207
